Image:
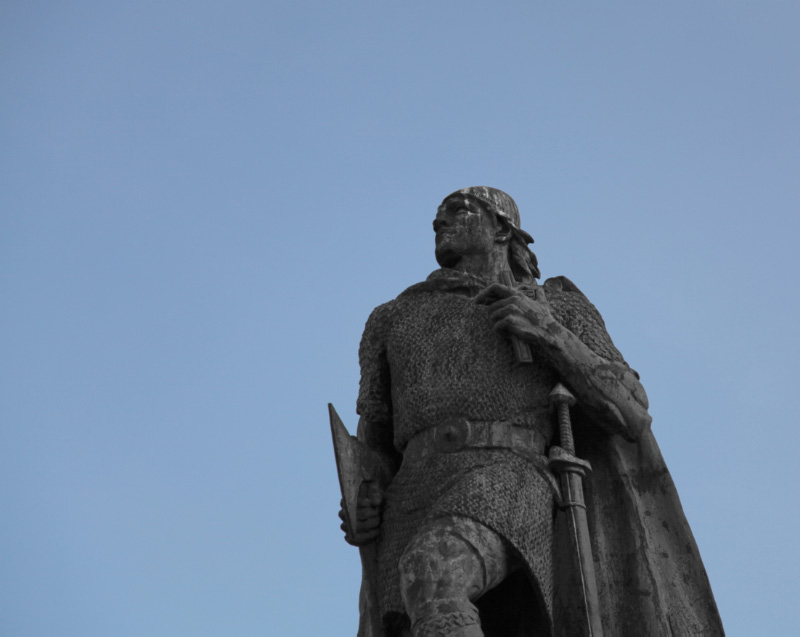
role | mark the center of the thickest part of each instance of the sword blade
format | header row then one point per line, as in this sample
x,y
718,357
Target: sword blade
x,y
572,491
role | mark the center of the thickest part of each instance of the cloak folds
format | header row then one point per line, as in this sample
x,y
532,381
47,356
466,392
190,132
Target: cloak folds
x,y
650,576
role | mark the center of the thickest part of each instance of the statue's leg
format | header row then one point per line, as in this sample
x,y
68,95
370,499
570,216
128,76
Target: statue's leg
x,y
449,564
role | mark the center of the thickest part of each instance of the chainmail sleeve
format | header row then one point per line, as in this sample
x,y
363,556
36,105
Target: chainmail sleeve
x,y
374,402
574,311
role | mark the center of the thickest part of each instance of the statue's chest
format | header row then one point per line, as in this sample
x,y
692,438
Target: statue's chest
x,y
444,335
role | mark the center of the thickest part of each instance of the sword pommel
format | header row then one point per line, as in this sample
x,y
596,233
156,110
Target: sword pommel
x,y
561,395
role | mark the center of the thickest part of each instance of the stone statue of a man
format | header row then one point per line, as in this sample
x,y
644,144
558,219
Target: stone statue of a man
x,y
468,537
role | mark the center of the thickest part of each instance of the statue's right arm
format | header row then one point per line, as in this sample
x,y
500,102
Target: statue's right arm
x,y
566,330
375,427
374,405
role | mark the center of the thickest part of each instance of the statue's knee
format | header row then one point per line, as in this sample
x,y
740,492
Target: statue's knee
x,y
438,571
437,564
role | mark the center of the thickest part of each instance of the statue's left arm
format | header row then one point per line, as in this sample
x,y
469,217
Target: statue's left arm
x,y
570,334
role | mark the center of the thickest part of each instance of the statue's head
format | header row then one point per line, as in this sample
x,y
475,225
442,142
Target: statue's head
x,y
483,218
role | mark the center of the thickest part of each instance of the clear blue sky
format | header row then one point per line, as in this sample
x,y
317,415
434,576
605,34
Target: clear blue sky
x,y
201,202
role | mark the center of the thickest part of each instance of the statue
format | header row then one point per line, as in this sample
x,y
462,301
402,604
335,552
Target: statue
x,y
465,527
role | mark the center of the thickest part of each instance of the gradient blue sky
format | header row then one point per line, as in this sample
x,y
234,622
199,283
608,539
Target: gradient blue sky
x,y
201,202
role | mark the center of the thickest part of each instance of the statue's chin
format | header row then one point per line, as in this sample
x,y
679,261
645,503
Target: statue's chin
x,y
447,258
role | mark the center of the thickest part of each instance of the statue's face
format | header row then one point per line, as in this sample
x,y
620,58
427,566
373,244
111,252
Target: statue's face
x,y
462,227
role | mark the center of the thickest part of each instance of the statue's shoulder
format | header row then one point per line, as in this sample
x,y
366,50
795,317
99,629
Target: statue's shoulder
x,y
379,317
577,313
567,300
382,316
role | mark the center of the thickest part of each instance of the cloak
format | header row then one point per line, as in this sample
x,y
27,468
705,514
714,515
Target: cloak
x,y
650,577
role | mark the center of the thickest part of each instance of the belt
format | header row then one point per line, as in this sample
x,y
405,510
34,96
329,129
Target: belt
x,y
460,434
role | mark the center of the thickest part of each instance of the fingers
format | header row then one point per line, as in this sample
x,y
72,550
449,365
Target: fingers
x,y
368,536
367,530
369,494
503,311
511,324
375,494
368,510
360,537
368,525
504,306
494,292
368,515
518,312
369,490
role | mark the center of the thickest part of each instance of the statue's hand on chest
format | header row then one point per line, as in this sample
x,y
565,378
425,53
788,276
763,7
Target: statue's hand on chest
x,y
521,314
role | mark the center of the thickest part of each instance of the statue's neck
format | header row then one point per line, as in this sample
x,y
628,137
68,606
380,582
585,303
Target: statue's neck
x,y
488,267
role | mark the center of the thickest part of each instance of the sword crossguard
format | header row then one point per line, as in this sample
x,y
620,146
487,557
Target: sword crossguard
x,y
561,461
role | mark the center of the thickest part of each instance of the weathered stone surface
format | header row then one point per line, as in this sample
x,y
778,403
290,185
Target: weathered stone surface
x,y
472,534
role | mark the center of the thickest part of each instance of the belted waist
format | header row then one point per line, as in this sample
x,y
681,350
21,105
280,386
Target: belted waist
x,y
460,434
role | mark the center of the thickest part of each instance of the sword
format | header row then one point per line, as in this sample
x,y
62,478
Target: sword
x,y
572,471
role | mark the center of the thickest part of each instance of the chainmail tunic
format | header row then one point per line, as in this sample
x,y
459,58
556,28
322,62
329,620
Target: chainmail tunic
x,y
432,355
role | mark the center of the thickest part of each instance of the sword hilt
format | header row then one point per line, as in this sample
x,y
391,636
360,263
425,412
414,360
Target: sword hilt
x,y
522,351
563,399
